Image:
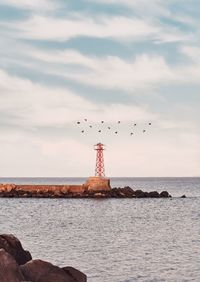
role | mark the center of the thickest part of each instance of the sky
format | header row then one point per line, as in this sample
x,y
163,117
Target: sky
x,y
137,61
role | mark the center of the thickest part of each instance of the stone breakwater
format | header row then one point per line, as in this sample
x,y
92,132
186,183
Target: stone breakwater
x,y
74,191
16,265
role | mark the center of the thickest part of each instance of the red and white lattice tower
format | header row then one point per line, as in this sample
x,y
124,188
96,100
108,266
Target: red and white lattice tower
x,y
100,169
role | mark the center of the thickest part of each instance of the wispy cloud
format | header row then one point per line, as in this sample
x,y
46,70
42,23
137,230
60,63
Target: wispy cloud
x,y
144,72
36,5
117,28
37,105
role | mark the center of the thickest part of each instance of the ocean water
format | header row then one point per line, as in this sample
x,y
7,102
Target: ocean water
x,y
113,240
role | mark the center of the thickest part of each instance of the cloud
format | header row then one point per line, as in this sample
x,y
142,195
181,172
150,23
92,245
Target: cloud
x,y
144,7
111,72
40,106
113,27
191,52
144,72
34,5
157,154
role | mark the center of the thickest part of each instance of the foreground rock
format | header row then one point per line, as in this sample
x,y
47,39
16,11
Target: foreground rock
x,y
75,191
13,246
41,271
12,269
9,269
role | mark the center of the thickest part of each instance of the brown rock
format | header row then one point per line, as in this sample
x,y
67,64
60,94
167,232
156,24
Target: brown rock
x,y
9,269
75,274
13,246
7,188
41,271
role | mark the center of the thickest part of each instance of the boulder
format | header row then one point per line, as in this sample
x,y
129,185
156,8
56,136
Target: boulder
x,y
41,271
164,194
9,269
140,194
153,194
13,246
128,191
9,187
75,274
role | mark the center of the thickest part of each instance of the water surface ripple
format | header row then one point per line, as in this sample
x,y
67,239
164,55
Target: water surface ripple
x,y
114,240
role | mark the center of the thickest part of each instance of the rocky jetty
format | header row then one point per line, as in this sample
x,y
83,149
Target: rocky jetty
x,y
78,191
16,265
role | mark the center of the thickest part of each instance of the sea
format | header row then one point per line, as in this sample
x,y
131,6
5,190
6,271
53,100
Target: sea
x,y
113,240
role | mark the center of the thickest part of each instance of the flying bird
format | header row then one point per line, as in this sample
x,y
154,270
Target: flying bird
x,y
116,132
149,123
102,121
144,131
119,121
135,124
131,133
90,126
82,131
85,119
108,127
99,131
78,122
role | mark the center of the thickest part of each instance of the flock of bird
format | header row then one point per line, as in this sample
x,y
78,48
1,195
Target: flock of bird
x,y
108,127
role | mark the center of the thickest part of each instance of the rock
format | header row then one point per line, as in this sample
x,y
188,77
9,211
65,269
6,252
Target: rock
x,y
183,196
99,195
140,194
76,274
153,194
9,187
90,189
9,269
164,194
41,271
13,246
128,191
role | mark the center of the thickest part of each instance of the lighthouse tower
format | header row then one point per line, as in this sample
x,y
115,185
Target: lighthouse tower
x,y
100,168
98,182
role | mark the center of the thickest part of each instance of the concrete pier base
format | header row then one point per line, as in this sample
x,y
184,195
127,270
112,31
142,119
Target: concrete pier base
x,y
96,183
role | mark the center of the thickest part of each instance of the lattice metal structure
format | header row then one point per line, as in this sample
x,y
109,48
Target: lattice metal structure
x,y
100,169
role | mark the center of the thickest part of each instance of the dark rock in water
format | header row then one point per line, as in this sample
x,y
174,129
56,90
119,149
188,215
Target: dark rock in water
x,y
76,274
13,246
183,196
9,269
153,194
41,271
164,194
140,194
128,191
